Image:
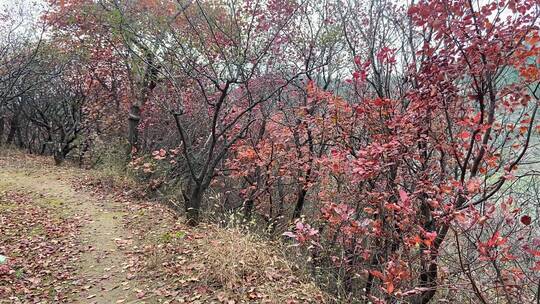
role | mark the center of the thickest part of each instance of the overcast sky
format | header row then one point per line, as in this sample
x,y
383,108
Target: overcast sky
x,y
24,4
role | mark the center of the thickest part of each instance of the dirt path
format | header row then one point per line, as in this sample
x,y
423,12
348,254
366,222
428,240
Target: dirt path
x,y
72,236
104,261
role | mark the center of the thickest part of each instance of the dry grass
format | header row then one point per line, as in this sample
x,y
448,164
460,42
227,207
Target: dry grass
x,y
15,158
205,264
245,265
210,264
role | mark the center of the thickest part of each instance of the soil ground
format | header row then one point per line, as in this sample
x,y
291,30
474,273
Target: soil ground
x,y
71,238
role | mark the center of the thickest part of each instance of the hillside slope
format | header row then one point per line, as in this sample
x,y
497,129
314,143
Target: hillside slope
x,y
68,239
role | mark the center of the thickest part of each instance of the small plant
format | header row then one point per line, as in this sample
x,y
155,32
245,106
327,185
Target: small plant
x,y
170,236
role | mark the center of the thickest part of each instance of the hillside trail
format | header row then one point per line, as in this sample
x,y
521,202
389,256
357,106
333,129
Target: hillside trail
x,y
103,263
76,236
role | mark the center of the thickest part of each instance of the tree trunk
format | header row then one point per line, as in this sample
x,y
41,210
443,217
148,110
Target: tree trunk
x,y
193,205
47,142
133,127
60,153
58,158
82,153
428,280
13,127
20,142
428,277
1,129
248,209
64,148
148,85
301,199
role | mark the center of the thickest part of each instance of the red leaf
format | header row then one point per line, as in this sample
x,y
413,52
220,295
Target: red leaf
x,y
464,135
377,274
526,220
389,286
404,197
413,10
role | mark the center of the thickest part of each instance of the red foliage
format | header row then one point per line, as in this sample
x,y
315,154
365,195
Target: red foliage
x,y
384,174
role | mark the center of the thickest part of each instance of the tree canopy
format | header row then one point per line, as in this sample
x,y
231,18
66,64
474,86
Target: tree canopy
x,y
393,144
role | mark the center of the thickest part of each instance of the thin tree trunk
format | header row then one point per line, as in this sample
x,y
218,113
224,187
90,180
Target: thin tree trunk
x,y
248,209
20,142
300,201
193,205
1,129
47,142
133,127
13,126
428,277
58,159
82,153
148,85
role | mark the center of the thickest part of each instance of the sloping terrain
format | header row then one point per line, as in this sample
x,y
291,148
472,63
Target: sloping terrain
x,y
68,238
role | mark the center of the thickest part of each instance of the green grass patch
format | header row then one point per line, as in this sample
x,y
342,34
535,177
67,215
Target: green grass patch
x,y
170,236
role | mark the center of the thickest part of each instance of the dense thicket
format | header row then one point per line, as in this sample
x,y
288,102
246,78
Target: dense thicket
x,y
395,143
